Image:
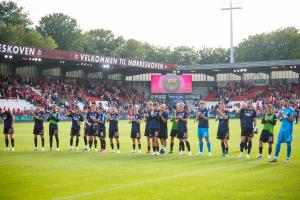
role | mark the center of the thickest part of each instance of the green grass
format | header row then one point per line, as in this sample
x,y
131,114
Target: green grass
x,y
25,174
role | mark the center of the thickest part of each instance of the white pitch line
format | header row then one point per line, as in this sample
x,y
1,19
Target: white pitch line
x,y
143,182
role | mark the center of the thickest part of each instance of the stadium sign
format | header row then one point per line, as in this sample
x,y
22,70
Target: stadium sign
x,y
81,57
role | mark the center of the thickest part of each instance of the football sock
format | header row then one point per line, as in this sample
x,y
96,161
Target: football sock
x,y
249,146
270,150
154,148
85,140
208,146
171,146
6,142
133,146
43,141
71,141
95,143
242,145
188,145
148,148
51,140
201,146
140,146
35,142
277,150
289,149
90,143
12,140
226,150
223,147
112,146
57,140
260,150
77,141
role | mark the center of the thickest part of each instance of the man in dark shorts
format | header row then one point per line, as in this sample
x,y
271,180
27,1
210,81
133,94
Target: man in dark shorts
x,y
113,119
154,125
163,132
91,127
174,130
135,121
53,119
8,129
182,117
267,136
101,129
223,128
248,124
77,118
38,130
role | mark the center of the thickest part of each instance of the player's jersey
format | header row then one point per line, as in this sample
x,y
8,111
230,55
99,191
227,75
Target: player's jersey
x,y
113,122
53,118
102,117
247,117
287,125
153,119
146,117
224,123
164,125
202,123
269,121
37,122
174,122
76,119
90,117
182,125
134,125
7,118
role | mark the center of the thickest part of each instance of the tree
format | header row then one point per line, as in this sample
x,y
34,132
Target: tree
x,y
63,29
100,41
277,45
27,37
213,55
184,55
11,14
134,49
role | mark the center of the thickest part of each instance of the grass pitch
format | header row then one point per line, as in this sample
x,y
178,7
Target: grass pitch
x,y
25,174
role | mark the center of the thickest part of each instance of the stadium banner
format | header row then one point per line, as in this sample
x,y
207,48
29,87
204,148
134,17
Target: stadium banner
x,y
174,84
81,57
176,96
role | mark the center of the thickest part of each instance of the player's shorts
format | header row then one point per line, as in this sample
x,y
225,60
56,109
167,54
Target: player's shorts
x,y
173,133
153,132
163,134
247,132
223,135
285,136
135,134
53,129
113,133
38,131
182,134
203,133
8,130
75,132
147,132
266,136
101,132
91,131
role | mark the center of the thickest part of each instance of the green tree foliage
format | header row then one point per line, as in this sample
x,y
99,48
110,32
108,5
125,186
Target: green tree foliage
x,y
277,45
27,37
63,29
213,55
11,14
15,28
100,41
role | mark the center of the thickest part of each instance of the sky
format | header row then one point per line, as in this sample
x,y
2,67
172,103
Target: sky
x,y
194,23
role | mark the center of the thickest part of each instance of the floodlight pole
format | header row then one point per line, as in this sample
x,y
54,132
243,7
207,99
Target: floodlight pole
x,y
231,30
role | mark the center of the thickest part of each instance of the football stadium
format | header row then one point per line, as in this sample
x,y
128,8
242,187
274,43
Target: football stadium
x,y
100,121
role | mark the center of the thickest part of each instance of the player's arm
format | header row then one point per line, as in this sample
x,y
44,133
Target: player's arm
x,y
274,120
164,119
57,117
239,110
290,116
